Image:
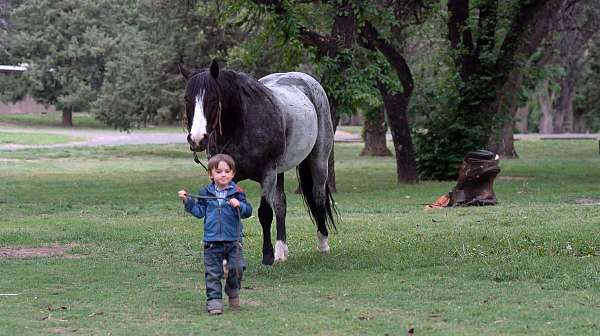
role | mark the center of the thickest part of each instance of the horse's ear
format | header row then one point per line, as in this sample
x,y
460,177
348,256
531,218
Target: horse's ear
x,y
183,71
214,68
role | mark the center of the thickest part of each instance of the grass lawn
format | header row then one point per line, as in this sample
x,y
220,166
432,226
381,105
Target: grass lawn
x,y
80,121
34,138
529,266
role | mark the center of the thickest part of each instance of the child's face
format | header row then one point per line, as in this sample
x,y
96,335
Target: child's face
x,y
222,174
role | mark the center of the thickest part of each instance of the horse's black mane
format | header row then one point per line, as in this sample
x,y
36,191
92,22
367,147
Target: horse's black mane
x,y
228,84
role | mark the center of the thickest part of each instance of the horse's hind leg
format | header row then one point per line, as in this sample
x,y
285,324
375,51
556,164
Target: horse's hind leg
x,y
265,216
318,163
273,199
279,204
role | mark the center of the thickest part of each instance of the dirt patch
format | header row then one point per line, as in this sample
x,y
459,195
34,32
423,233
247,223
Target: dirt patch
x,y
588,201
54,250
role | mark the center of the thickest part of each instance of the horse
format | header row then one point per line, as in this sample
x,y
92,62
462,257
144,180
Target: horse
x,y
268,126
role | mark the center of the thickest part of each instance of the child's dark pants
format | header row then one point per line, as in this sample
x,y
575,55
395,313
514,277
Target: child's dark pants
x,y
214,253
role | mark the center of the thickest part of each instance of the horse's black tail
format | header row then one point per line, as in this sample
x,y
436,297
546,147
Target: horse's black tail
x,y
323,213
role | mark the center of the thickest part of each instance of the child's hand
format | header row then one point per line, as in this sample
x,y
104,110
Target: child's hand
x,y
182,194
234,203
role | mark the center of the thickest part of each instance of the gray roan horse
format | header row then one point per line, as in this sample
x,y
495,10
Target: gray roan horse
x,y
268,126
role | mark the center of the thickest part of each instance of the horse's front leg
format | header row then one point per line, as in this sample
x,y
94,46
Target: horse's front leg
x,y
265,216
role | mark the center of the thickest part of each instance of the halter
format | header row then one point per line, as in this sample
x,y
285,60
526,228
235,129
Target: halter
x,y
212,137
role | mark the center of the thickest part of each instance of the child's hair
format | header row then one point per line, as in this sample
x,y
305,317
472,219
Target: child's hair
x,y
213,162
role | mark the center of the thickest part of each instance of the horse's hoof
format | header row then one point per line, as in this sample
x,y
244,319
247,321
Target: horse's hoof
x,y
324,250
281,251
268,260
323,243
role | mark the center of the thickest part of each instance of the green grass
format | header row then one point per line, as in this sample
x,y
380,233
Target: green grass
x,y
529,266
34,139
80,121
54,119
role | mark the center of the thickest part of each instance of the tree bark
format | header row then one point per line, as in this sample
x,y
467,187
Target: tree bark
x,y
501,140
406,166
67,118
545,99
375,130
396,104
483,79
504,144
577,25
522,119
564,113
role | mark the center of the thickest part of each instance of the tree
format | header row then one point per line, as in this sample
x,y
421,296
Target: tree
x,y
576,26
12,86
390,45
333,52
374,133
488,40
586,114
337,52
65,44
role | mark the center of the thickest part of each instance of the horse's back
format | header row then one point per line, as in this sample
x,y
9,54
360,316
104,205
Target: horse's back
x,y
306,83
304,104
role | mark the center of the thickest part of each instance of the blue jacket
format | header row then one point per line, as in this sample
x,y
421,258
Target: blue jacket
x,y
220,220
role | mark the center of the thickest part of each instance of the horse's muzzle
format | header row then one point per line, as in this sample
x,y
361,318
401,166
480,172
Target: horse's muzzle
x,y
197,147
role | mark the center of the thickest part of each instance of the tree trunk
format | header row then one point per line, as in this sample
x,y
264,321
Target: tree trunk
x,y
504,144
579,123
67,118
375,130
578,24
545,98
522,119
564,114
501,140
396,106
531,24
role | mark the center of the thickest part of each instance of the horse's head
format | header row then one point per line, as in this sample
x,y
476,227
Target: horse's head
x,y
203,101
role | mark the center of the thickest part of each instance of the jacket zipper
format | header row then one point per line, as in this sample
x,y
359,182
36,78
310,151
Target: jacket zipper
x,y
220,223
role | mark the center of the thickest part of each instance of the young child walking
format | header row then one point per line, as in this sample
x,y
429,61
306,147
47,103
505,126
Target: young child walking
x,y
222,204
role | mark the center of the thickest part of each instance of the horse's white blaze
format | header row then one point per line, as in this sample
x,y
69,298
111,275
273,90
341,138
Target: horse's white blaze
x,y
198,131
281,251
323,243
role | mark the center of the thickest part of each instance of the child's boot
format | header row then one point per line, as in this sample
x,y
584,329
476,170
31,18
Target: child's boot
x,y
234,303
214,307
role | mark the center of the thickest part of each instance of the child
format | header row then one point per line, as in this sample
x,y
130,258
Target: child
x,y
220,203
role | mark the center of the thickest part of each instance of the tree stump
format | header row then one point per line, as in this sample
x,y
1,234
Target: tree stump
x,y
475,182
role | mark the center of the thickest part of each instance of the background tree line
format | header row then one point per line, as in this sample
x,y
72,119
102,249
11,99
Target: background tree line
x,y
445,77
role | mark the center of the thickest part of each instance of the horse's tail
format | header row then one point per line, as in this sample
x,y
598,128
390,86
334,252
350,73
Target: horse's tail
x,y
322,210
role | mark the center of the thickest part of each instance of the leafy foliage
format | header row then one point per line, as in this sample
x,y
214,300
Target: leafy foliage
x,y
486,44
116,59
64,44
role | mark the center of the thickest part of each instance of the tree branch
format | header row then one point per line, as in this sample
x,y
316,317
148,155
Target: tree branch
x,y
458,29
488,20
325,45
372,40
459,34
535,19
